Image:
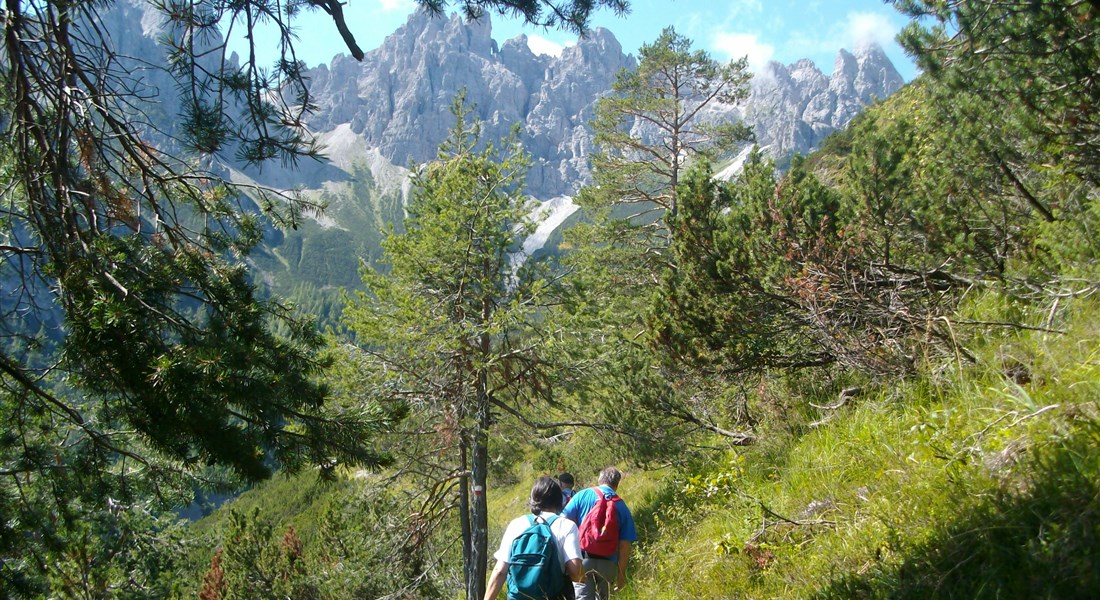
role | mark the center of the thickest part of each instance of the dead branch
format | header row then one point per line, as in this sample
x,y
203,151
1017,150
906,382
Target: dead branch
x,y
1011,325
845,395
544,426
779,519
336,10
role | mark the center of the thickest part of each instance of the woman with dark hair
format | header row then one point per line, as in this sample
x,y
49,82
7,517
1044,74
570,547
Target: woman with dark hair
x,y
545,503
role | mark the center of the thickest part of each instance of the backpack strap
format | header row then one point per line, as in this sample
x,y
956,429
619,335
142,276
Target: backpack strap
x,y
605,495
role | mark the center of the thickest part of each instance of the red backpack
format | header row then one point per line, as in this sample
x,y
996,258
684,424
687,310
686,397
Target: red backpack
x,y
600,527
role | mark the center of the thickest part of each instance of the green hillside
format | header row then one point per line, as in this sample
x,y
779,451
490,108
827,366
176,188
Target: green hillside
x,y
959,484
972,482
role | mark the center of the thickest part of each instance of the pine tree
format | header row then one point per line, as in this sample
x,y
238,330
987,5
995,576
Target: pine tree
x,y
453,330
654,121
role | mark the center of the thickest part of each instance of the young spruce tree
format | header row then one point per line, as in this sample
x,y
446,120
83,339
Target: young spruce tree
x,y
453,331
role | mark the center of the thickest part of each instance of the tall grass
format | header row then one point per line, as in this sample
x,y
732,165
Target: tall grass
x,y
973,481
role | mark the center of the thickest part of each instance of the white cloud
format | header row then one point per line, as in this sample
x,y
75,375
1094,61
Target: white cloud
x,y
397,5
863,27
739,11
854,31
541,45
736,45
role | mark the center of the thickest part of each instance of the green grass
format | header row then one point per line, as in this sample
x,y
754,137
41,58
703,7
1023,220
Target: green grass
x,y
961,484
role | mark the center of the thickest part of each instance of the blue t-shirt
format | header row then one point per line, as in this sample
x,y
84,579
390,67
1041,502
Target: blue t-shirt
x,y
583,502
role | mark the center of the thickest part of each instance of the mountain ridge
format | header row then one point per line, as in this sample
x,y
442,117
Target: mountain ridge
x,y
397,99
393,107
390,111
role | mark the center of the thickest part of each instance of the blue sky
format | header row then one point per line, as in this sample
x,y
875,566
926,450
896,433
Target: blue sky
x,y
780,30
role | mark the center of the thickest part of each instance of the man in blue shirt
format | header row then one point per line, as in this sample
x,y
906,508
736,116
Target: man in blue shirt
x,y
602,570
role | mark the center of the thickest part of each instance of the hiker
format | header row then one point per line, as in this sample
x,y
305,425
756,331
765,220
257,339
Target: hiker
x,y
566,481
606,532
527,536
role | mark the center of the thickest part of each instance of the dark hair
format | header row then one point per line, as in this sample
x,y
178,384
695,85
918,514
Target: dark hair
x,y
545,495
610,476
566,478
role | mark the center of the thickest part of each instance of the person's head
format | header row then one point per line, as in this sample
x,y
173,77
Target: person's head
x,y
566,480
610,477
545,495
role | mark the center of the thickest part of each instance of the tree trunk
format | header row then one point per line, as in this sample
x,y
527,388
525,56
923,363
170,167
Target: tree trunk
x,y
478,472
468,571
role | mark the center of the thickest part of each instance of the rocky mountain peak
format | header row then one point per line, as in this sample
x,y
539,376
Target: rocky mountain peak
x,y
398,98
876,72
793,107
598,42
393,108
860,78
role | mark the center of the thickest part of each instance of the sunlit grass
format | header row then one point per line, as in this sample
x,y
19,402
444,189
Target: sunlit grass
x,y
951,485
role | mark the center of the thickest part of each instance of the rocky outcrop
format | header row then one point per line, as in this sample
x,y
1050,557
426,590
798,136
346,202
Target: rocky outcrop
x,y
792,108
398,99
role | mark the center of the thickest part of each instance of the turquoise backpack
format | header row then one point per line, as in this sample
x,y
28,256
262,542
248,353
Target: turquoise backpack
x,y
534,568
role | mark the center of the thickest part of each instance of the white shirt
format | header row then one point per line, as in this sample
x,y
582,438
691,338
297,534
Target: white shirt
x,y
565,534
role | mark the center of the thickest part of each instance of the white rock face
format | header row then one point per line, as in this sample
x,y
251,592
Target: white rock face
x,y
792,108
399,98
549,215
